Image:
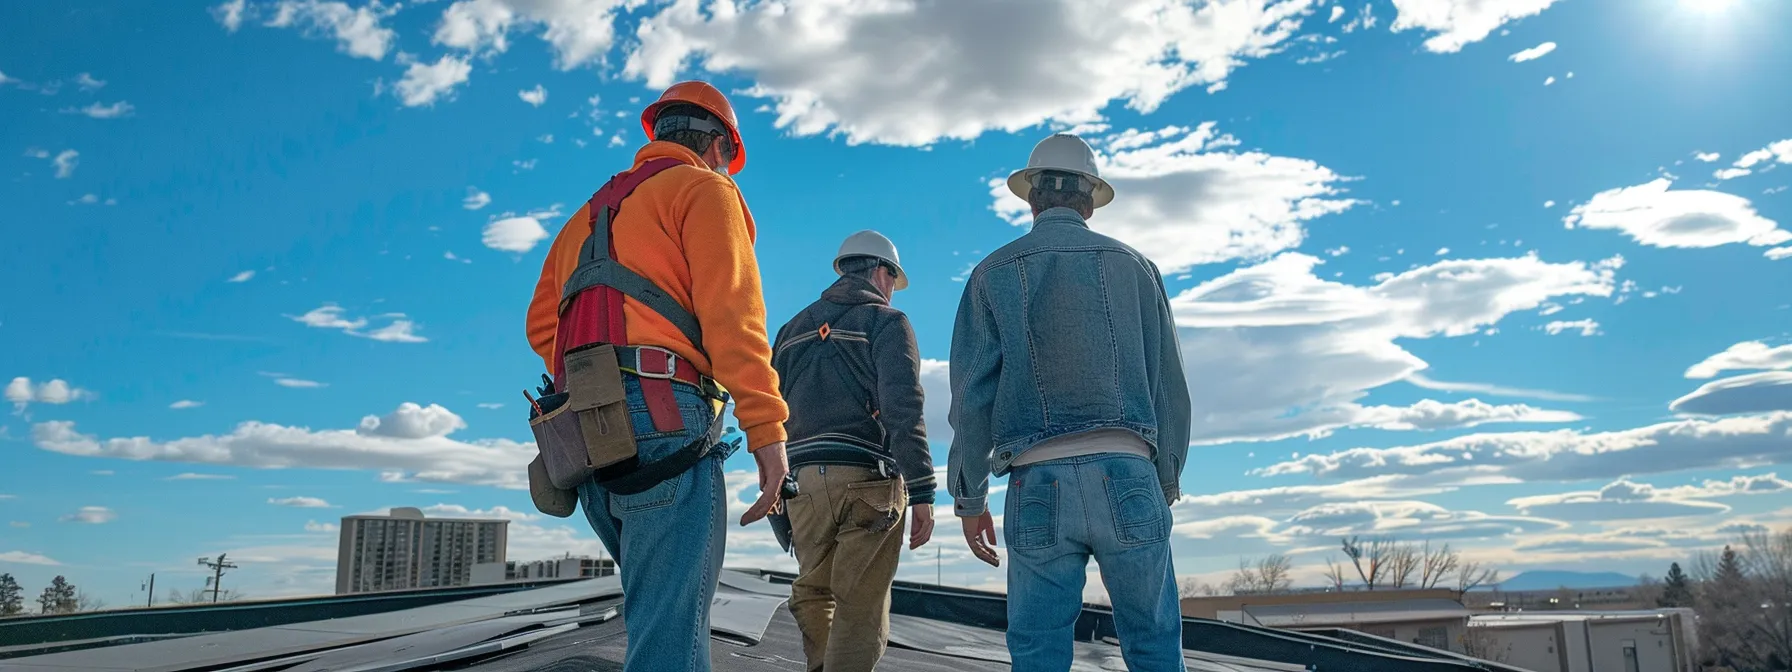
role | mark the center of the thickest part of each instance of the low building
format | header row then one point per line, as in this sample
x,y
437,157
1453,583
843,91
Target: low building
x,y
1433,618
1662,640
554,568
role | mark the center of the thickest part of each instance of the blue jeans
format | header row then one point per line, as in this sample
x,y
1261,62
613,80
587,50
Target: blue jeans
x,y
667,541
1058,514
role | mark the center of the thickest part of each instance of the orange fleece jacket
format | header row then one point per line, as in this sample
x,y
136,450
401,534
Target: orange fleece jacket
x,y
688,230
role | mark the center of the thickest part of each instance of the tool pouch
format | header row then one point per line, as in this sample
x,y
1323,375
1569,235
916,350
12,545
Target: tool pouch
x,y
600,402
563,457
551,500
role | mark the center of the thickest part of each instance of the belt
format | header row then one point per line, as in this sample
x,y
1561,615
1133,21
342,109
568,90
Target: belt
x,y
654,363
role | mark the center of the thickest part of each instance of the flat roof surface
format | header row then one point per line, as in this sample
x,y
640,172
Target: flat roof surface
x,y
1339,613
577,625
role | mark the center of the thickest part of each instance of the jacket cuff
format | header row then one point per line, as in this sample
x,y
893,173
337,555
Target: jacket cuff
x,y
920,497
1172,492
970,507
764,434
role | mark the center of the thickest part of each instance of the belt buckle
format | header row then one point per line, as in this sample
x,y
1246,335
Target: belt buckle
x,y
671,363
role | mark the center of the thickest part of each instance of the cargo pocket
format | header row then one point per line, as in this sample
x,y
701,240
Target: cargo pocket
x,y
1031,519
874,506
1138,509
562,445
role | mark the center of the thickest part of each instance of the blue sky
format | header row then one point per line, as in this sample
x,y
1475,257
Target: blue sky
x,y
1511,274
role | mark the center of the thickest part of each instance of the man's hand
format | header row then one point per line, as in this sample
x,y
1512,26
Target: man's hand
x,y
772,468
920,527
980,534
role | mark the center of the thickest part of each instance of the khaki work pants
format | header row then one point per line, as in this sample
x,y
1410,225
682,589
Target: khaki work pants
x,y
846,527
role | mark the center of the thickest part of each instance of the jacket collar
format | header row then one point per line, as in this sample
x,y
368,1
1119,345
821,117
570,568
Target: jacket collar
x,y
851,290
660,149
1060,216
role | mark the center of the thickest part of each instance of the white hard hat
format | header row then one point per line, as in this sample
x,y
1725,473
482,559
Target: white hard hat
x,y
1063,152
870,243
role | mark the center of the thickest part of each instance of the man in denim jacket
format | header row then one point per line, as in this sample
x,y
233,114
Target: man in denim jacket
x,y
1067,376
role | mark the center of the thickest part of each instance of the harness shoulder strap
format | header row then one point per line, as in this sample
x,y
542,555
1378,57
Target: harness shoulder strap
x,y
598,266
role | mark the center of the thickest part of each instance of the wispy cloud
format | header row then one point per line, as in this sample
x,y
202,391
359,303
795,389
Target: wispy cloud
x,y
424,84
399,329
475,199
87,82
1496,390
190,476
314,526
65,163
91,515
1586,327
244,276
99,111
535,96
229,14
186,403
21,392
23,558
301,502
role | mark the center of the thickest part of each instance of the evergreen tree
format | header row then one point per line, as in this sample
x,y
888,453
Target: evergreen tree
x,y
1676,589
1729,570
59,597
12,597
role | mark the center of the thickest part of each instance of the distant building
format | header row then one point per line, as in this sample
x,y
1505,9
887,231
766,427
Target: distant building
x,y
406,550
1661,640
555,568
1433,618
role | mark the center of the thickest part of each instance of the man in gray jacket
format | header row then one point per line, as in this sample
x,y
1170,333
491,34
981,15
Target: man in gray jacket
x,y
1067,376
849,369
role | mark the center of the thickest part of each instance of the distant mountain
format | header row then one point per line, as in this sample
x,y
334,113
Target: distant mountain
x,y
1551,580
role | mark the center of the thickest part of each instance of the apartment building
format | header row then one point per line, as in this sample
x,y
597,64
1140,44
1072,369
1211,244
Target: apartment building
x,y
404,549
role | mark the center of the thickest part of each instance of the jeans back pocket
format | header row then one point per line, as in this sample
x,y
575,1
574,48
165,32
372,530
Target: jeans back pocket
x,y
1138,508
1031,520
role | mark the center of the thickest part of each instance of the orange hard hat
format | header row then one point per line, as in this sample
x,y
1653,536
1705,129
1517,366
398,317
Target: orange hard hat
x,y
707,97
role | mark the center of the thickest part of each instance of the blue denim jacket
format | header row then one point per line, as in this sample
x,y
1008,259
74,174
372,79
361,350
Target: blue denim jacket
x,y
1062,331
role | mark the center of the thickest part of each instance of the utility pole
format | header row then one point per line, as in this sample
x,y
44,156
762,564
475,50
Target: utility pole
x,y
218,566
938,577
152,590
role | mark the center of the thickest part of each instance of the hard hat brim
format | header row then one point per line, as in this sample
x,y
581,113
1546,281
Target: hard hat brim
x,y
727,117
1021,183
901,275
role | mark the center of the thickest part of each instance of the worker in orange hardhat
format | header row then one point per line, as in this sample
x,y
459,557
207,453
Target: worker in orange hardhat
x,y
693,333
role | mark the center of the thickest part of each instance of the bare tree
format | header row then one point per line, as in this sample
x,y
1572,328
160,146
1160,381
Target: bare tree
x,y
201,596
1767,563
1472,575
1369,557
1334,573
1267,575
1403,561
1480,642
1437,565
87,602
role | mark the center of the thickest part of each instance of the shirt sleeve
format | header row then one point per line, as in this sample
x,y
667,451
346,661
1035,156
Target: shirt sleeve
x,y
899,404
976,366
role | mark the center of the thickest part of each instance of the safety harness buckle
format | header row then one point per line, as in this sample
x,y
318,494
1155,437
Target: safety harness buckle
x,y
641,368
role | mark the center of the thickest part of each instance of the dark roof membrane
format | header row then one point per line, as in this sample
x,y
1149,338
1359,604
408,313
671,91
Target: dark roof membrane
x,y
576,625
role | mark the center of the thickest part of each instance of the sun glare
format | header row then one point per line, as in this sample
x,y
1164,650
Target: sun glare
x,y
1707,5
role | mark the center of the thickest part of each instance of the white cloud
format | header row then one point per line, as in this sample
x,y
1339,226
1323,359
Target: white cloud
x,y
1750,393
546,138
412,421
1744,356
1337,13
20,392
88,83
229,14
1495,390
98,111
23,558
1622,499
1442,251
1457,23
515,233
1732,173
1409,519
413,444
301,502
299,383
1565,455
1779,151
1533,53
1707,157
244,276
357,31
524,165
1265,339
579,31
1779,253
65,163
1184,198
475,199
1364,20
1549,204
535,96
317,527
826,62
1759,484
190,476
331,316
1586,327
424,84
91,515
490,405
1549,81
1653,215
